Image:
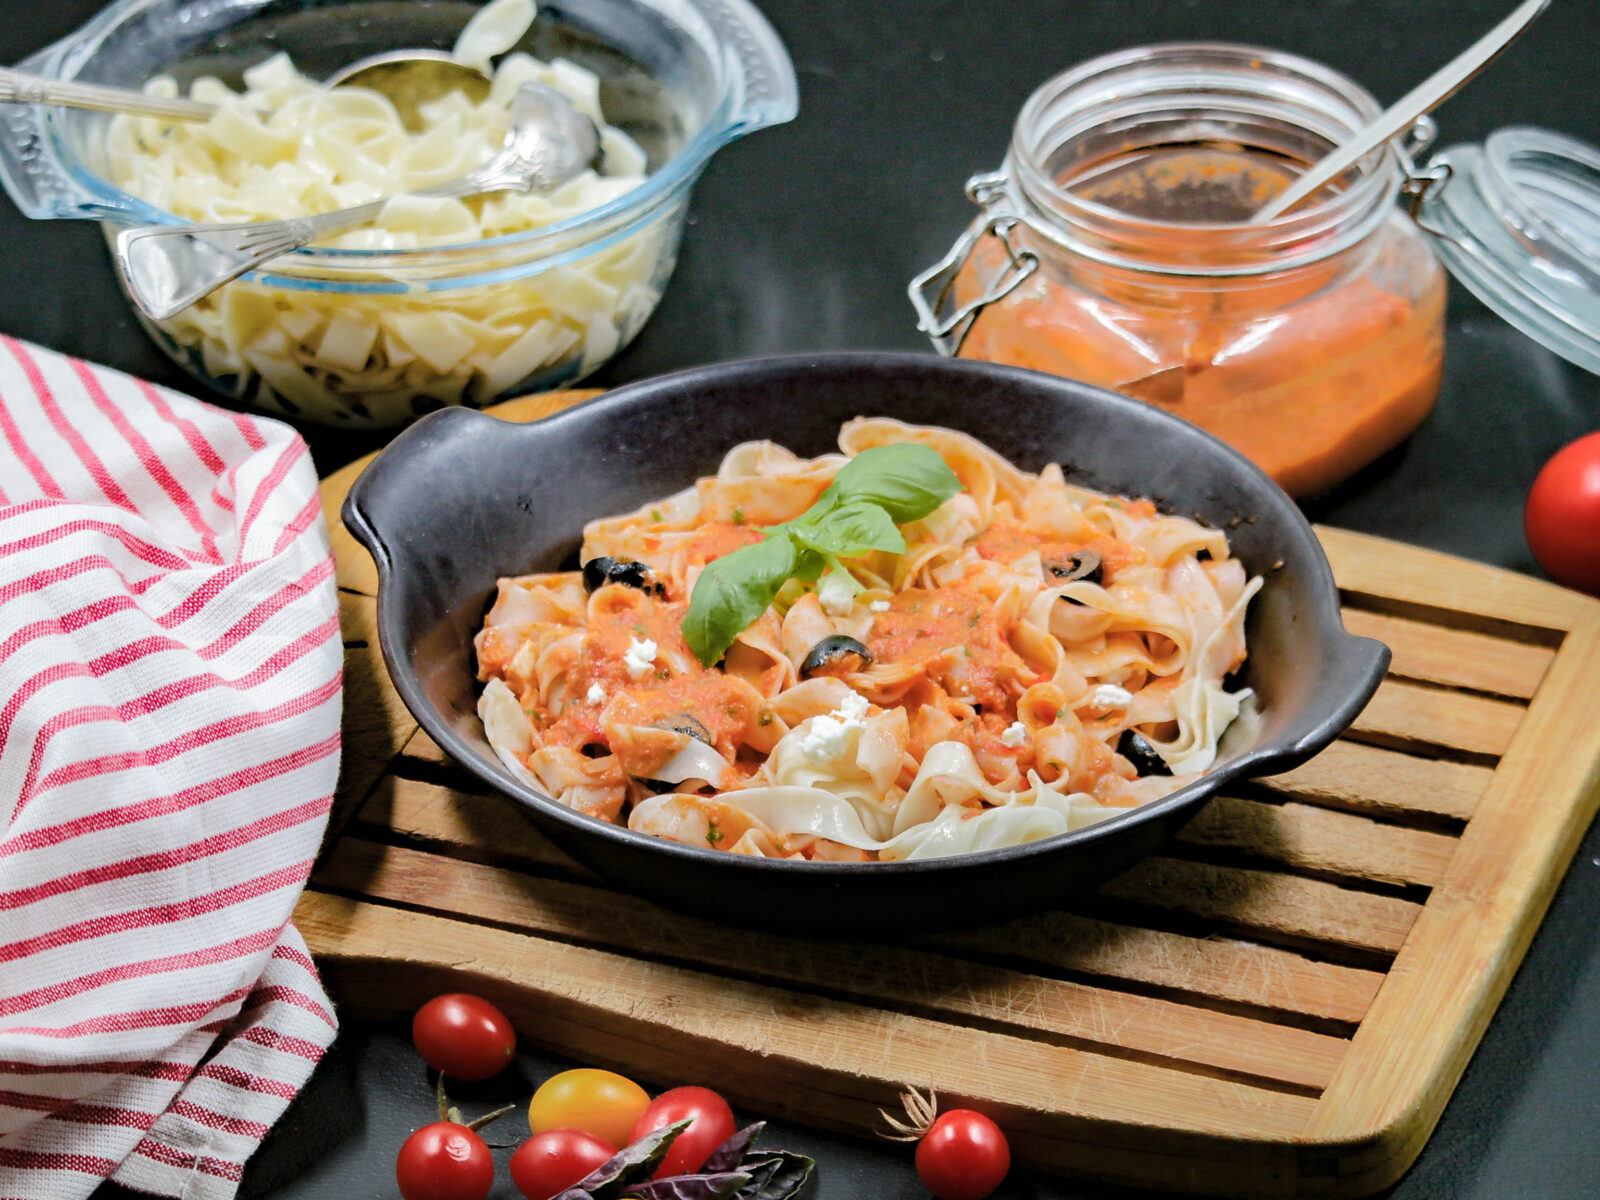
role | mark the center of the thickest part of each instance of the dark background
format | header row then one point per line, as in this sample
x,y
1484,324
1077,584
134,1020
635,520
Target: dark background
x,y
803,238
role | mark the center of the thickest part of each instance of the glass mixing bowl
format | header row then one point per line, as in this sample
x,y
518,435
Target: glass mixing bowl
x,y
682,77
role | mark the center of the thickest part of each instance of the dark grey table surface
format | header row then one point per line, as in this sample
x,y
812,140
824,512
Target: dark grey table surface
x,y
802,238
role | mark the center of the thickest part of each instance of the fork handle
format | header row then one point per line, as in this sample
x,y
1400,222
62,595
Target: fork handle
x,y
18,88
167,268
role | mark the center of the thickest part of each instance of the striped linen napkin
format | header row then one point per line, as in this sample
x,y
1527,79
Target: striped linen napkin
x,y
169,741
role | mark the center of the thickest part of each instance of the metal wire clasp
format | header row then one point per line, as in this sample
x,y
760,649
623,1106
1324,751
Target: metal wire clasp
x,y
1421,182
932,292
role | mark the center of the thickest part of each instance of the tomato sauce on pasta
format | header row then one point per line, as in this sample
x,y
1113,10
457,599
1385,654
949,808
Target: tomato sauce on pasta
x,y
1040,657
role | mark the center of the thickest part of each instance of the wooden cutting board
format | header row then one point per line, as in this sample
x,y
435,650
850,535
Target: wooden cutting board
x,y
1277,1004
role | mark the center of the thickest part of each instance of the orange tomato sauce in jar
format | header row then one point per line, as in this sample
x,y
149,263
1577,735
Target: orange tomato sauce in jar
x,y
1312,343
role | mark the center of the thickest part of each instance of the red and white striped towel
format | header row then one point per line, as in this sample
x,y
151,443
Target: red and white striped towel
x,y
169,741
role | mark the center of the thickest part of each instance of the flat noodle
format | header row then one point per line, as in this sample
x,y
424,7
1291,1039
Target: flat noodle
x,y
997,692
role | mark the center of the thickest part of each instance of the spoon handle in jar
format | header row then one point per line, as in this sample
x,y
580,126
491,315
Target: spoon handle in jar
x,y
18,88
1400,115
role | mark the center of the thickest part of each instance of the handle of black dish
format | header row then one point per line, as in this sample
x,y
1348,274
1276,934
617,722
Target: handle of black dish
x,y
366,503
1352,667
357,518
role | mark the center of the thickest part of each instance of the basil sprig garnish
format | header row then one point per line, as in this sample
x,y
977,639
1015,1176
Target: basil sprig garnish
x,y
874,493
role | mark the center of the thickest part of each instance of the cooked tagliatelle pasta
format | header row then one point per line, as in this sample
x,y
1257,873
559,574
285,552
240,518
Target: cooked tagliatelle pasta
x,y
1038,658
336,348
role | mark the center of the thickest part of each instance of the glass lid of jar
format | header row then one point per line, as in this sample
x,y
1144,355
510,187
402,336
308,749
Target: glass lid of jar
x,y
1517,220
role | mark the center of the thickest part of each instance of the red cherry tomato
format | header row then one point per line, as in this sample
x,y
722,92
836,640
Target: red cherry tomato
x,y
963,1156
711,1124
1562,518
464,1037
444,1161
549,1163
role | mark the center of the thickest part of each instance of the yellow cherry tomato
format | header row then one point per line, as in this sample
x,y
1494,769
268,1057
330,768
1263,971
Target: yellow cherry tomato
x,y
599,1102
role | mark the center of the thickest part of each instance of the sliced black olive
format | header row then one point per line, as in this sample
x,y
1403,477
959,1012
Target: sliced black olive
x,y
686,724
1084,564
598,572
1136,748
836,651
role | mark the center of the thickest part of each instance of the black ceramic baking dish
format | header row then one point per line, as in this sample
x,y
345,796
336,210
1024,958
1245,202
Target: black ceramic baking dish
x,y
461,498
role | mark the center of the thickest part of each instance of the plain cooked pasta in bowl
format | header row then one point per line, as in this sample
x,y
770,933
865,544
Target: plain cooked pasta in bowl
x,y
910,649
443,304
438,302
286,146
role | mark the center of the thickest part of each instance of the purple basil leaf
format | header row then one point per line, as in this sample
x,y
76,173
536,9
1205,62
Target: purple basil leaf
x,y
634,1161
707,1185
726,1156
761,1172
775,1175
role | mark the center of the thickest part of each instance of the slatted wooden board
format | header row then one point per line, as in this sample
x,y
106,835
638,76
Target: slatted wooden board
x,y
1277,1004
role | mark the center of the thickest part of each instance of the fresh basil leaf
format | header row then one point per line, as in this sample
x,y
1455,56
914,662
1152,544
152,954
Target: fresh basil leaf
x,y
808,565
875,491
733,591
906,479
775,1174
791,591
855,528
817,513
635,1161
705,1185
726,1156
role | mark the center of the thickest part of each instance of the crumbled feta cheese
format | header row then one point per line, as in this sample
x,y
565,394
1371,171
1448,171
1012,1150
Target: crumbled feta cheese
x,y
1015,734
837,594
879,606
825,739
852,708
597,694
640,658
1109,695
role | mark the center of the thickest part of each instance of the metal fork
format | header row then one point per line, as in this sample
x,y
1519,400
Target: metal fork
x,y
167,268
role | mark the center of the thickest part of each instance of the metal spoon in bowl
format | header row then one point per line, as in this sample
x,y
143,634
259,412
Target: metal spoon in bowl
x,y
17,87
412,78
166,268
409,78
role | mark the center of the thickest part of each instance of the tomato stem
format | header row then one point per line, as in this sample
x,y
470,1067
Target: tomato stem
x,y
919,1108
449,1112
494,1116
